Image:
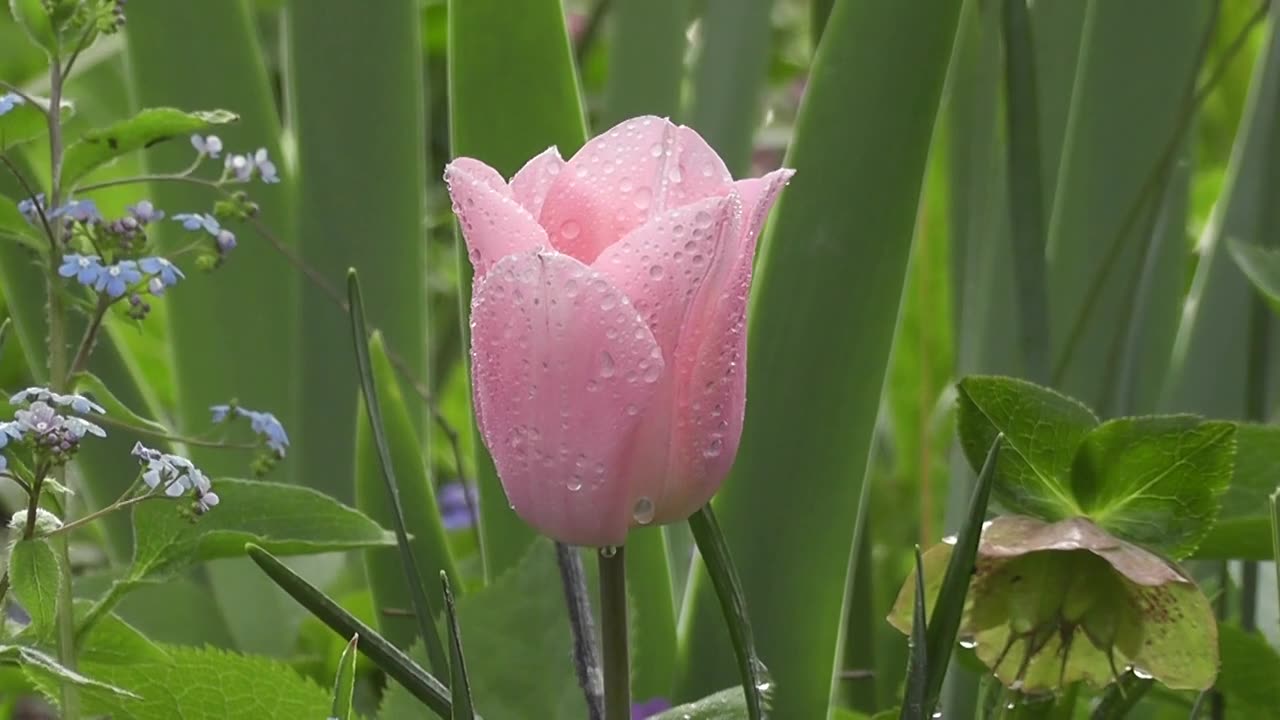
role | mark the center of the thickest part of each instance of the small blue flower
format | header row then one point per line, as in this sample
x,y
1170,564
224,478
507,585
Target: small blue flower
x,y
211,145
263,423
79,210
219,413
9,431
84,268
30,395
164,271
114,280
28,208
239,165
649,708
144,212
226,241
79,426
266,168
456,500
9,101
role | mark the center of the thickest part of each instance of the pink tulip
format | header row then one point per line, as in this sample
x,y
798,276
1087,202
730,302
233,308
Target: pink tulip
x,y
608,325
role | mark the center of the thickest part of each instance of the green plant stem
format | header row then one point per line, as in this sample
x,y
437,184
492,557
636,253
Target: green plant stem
x,y
586,656
81,359
613,622
104,605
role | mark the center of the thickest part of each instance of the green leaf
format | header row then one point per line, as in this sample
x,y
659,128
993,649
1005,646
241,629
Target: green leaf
x,y
507,57
33,18
519,622
915,701
287,519
90,384
459,685
34,571
1249,668
1261,265
37,664
348,62
944,621
1155,480
646,58
1042,431
398,703
394,662
14,225
383,566
149,127
344,685
27,121
204,684
728,704
714,552
4,333
840,237
422,608
653,617
1243,526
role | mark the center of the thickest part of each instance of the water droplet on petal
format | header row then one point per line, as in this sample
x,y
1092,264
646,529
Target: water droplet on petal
x,y
570,230
643,197
632,409
713,448
656,150
607,367
575,483
643,511
608,551
655,271
651,373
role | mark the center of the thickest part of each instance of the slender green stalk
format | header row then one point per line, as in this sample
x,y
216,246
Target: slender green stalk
x,y
1121,697
586,656
1275,535
613,622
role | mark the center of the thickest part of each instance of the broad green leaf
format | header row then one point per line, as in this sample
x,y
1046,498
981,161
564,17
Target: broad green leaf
x,y
204,684
146,129
507,58
383,566
348,62
459,685
33,17
344,685
515,623
34,571
27,121
39,665
1249,668
1261,265
1042,430
1243,527
725,705
729,76
398,665
286,519
14,226
90,384
653,617
646,58
720,567
398,703
1155,480
840,238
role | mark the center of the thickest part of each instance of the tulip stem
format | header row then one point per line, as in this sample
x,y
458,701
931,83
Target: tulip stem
x,y
586,655
613,622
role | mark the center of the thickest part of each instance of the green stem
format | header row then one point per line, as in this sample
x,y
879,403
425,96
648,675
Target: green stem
x,y
586,658
104,605
613,622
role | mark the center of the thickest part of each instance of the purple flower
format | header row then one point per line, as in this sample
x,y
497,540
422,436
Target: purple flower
x,y
219,413
84,268
263,423
266,168
144,212
166,272
28,208
79,210
226,241
241,166
456,500
114,280
8,431
211,145
79,403
9,101
649,708
194,221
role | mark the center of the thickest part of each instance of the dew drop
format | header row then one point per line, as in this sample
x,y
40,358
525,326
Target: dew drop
x,y
690,246
643,511
707,170
713,448
674,174
592,386
570,230
702,219
632,409
697,259
1141,674
655,271
571,287
968,643
656,150
652,373
643,197
607,367
626,185
608,551
575,483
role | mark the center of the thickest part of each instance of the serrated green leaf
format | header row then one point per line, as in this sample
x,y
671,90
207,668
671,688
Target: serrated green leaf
x,y
149,127
344,685
204,684
27,121
519,622
1155,480
1042,431
286,519
34,571
90,384
1243,527
728,704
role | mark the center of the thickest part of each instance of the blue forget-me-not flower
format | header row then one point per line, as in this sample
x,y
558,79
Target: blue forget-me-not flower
x,y
84,268
114,280
264,424
210,145
9,101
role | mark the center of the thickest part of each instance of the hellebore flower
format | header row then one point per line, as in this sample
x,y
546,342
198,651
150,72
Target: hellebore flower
x,y
608,322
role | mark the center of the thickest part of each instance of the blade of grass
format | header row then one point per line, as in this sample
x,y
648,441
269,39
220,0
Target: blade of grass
x,y
395,663
944,623
507,58
459,686
653,615
819,11
344,685
1026,200
1275,536
360,201
422,609
729,76
384,568
646,58
915,699
733,605
840,238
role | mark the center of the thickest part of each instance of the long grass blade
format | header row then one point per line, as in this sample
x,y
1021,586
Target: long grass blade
x,y
394,662
646,58
460,686
344,685
422,609
915,700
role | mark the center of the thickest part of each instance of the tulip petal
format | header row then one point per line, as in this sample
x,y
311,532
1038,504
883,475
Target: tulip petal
x,y
562,365
493,223
624,177
531,183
